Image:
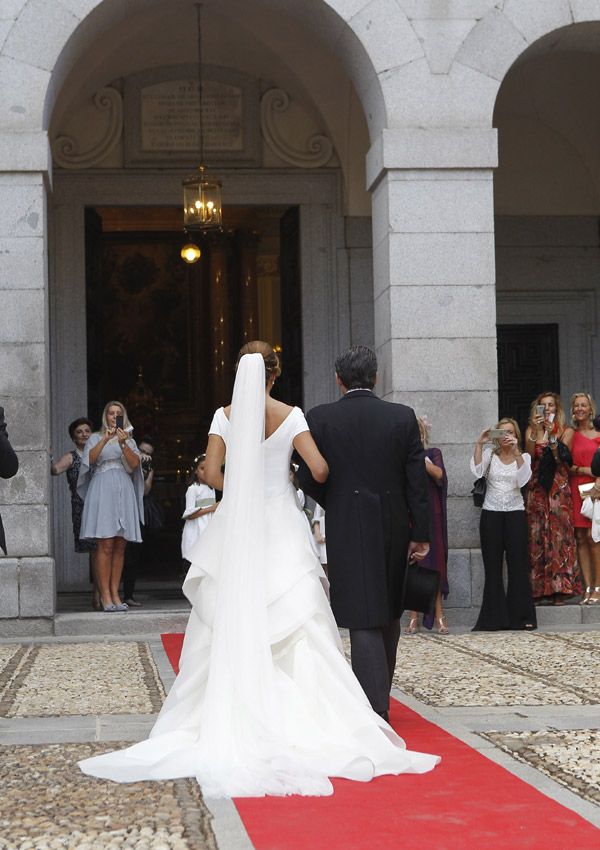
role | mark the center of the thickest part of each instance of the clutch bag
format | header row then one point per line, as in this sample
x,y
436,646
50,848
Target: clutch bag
x,y
420,588
584,489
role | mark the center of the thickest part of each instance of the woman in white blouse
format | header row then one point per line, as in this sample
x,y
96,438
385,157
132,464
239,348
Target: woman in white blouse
x,y
503,531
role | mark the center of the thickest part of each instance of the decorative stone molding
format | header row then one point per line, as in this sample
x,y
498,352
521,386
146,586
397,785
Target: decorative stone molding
x,y
65,149
318,149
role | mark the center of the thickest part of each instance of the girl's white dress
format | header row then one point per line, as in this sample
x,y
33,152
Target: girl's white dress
x,y
319,519
197,496
265,701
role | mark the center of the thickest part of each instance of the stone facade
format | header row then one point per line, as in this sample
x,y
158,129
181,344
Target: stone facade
x,y
417,82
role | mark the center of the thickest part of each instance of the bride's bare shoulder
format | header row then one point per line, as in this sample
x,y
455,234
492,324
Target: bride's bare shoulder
x,y
278,409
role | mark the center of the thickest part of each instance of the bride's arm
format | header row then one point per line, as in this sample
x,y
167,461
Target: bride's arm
x,y
215,454
308,451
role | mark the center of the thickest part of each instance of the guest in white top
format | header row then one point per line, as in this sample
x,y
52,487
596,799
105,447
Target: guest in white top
x,y
200,504
503,531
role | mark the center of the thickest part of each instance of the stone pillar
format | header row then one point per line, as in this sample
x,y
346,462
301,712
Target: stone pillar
x,y
435,308
27,584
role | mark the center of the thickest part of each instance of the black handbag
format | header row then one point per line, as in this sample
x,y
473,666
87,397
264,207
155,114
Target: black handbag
x,y
420,588
480,487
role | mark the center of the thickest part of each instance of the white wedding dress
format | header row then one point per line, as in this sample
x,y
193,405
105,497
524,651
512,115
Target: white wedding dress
x,y
265,701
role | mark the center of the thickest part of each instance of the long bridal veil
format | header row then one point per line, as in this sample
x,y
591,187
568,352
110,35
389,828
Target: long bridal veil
x,y
239,713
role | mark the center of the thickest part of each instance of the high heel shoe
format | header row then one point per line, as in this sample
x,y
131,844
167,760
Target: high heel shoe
x,y
586,598
110,607
594,600
413,626
442,626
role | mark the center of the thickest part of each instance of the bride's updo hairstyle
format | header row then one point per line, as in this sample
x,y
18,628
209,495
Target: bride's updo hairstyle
x,y
272,367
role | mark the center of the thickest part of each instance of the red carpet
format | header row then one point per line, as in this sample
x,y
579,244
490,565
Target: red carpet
x,y
466,803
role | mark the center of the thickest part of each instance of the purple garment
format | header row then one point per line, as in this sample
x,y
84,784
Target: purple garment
x,y
437,558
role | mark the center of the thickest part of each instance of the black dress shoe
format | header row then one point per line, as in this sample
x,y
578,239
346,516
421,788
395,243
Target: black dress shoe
x,y
385,715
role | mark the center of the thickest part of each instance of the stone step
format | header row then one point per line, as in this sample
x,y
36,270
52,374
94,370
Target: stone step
x,y
547,615
132,622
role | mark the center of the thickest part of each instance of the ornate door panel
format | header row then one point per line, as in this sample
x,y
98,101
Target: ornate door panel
x,y
528,363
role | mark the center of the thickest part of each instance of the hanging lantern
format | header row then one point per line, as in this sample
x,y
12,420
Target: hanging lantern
x,y
202,209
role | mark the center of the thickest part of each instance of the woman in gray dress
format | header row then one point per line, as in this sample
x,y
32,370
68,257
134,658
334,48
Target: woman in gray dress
x,y
113,499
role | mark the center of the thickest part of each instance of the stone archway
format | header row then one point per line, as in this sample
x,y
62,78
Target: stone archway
x,y
428,87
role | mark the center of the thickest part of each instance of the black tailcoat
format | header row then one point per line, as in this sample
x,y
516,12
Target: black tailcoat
x,y
376,501
9,465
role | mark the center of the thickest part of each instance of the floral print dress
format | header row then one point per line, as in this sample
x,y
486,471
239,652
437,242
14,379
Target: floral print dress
x,y
552,552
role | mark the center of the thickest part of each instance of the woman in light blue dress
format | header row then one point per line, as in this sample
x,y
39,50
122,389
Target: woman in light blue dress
x,y
112,486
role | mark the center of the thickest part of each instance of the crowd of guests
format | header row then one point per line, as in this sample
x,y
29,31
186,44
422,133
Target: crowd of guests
x,y
538,511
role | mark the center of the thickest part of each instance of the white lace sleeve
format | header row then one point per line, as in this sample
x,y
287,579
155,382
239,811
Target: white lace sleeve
x,y
479,468
524,471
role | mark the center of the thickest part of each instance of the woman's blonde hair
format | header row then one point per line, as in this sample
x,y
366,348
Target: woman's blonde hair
x,y
126,422
561,420
423,430
506,420
257,346
590,400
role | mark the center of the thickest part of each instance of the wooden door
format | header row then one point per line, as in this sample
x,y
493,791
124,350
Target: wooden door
x,y
528,364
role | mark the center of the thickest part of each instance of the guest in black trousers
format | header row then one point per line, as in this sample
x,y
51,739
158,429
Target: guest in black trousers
x,y
503,531
9,465
377,507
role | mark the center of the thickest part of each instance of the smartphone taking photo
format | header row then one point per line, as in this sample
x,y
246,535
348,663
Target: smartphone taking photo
x,y
119,422
498,433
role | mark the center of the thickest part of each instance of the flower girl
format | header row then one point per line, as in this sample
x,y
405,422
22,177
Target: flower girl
x,y
200,504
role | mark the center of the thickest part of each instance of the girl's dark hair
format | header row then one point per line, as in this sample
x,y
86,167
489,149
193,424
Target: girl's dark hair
x,y
257,346
76,423
191,479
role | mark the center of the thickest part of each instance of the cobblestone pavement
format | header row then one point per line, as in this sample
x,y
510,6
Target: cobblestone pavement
x,y
528,701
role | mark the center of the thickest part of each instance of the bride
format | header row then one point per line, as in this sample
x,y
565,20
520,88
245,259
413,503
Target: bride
x,y
265,702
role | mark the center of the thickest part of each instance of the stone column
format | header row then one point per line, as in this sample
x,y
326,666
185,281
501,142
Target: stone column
x,y
434,296
27,574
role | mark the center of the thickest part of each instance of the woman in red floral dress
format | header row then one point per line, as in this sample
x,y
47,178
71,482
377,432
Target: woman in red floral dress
x,y
552,552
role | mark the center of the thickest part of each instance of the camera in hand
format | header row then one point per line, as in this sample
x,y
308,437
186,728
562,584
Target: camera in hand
x,y
119,422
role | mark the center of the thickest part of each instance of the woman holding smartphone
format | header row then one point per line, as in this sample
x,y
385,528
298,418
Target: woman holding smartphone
x,y
552,554
112,486
503,529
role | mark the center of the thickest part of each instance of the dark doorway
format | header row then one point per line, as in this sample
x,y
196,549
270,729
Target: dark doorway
x,y
163,336
528,364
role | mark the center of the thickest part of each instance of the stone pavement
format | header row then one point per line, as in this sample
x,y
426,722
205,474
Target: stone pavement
x,y
529,701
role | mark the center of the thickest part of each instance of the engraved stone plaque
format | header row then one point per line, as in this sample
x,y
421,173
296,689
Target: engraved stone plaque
x,y
161,123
